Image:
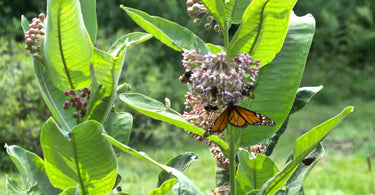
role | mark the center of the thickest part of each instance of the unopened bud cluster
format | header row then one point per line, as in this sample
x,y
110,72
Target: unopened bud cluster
x,y
35,35
78,101
196,9
222,161
216,81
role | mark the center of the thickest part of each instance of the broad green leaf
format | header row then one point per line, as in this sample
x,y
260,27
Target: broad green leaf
x,y
216,9
181,162
171,34
119,126
263,29
239,7
278,81
303,146
81,157
128,40
24,24
184,182
253,173
294,185
158,111
67,47
164,188
88,10
304,95
13,184
215,48
53,97
31,168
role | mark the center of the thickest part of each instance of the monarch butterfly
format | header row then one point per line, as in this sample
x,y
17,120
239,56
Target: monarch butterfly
x,y
238,117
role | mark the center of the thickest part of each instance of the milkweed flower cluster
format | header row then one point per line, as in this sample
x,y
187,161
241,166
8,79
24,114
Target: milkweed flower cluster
x,y
215,81
78,101
35,35
197,9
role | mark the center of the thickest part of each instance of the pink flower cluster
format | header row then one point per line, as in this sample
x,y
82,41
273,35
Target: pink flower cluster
x,y
78,101
35,35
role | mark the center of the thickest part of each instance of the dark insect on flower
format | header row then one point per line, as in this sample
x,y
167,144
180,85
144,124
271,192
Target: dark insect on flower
x,y
238,117
308,161
214,92
185,77
210,108
248,90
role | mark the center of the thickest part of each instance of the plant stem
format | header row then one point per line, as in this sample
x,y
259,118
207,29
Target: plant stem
x,y
232,160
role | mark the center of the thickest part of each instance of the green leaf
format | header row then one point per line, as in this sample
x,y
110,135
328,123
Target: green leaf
x,y
13,184
181,162
253,173
67,47
88,10
24,24
239,8
221,176
119,126
304,95
158,111
71,191
105,72
216,8
171,34
263,29
31,168
164,188
215,48
184,182
278,81
294,185
303,146
128,40
53,97
80,157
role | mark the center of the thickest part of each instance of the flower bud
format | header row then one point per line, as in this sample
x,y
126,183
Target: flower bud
x,y
72,92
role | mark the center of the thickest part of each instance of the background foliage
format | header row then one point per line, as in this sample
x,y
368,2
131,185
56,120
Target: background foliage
x,y
341,59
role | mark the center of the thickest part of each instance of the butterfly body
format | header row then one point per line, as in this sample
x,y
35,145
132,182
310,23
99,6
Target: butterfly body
x,y
238,117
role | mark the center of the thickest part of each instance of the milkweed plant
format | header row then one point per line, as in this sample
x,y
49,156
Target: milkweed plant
x,y
241,95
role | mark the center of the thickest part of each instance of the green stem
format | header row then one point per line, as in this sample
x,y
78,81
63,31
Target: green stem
x,y
232,160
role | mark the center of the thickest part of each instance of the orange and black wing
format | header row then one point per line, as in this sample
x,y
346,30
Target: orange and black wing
x,y
219,125
235,117
252,118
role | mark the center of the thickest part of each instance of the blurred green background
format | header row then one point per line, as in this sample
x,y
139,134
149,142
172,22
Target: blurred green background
x,y
341,59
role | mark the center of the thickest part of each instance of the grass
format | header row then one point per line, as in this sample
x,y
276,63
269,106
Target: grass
x,y
342,170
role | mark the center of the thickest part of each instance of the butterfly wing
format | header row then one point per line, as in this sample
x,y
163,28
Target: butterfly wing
x,y
236,119
253,118
221,122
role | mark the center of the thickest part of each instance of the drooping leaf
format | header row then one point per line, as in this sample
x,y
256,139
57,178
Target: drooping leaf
x,y
185,184
31,168
82,157
158,111
128,40
181,162
253,173
303,146
294,185
88,10
263,28
171,34
304,95
119,126
278,81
